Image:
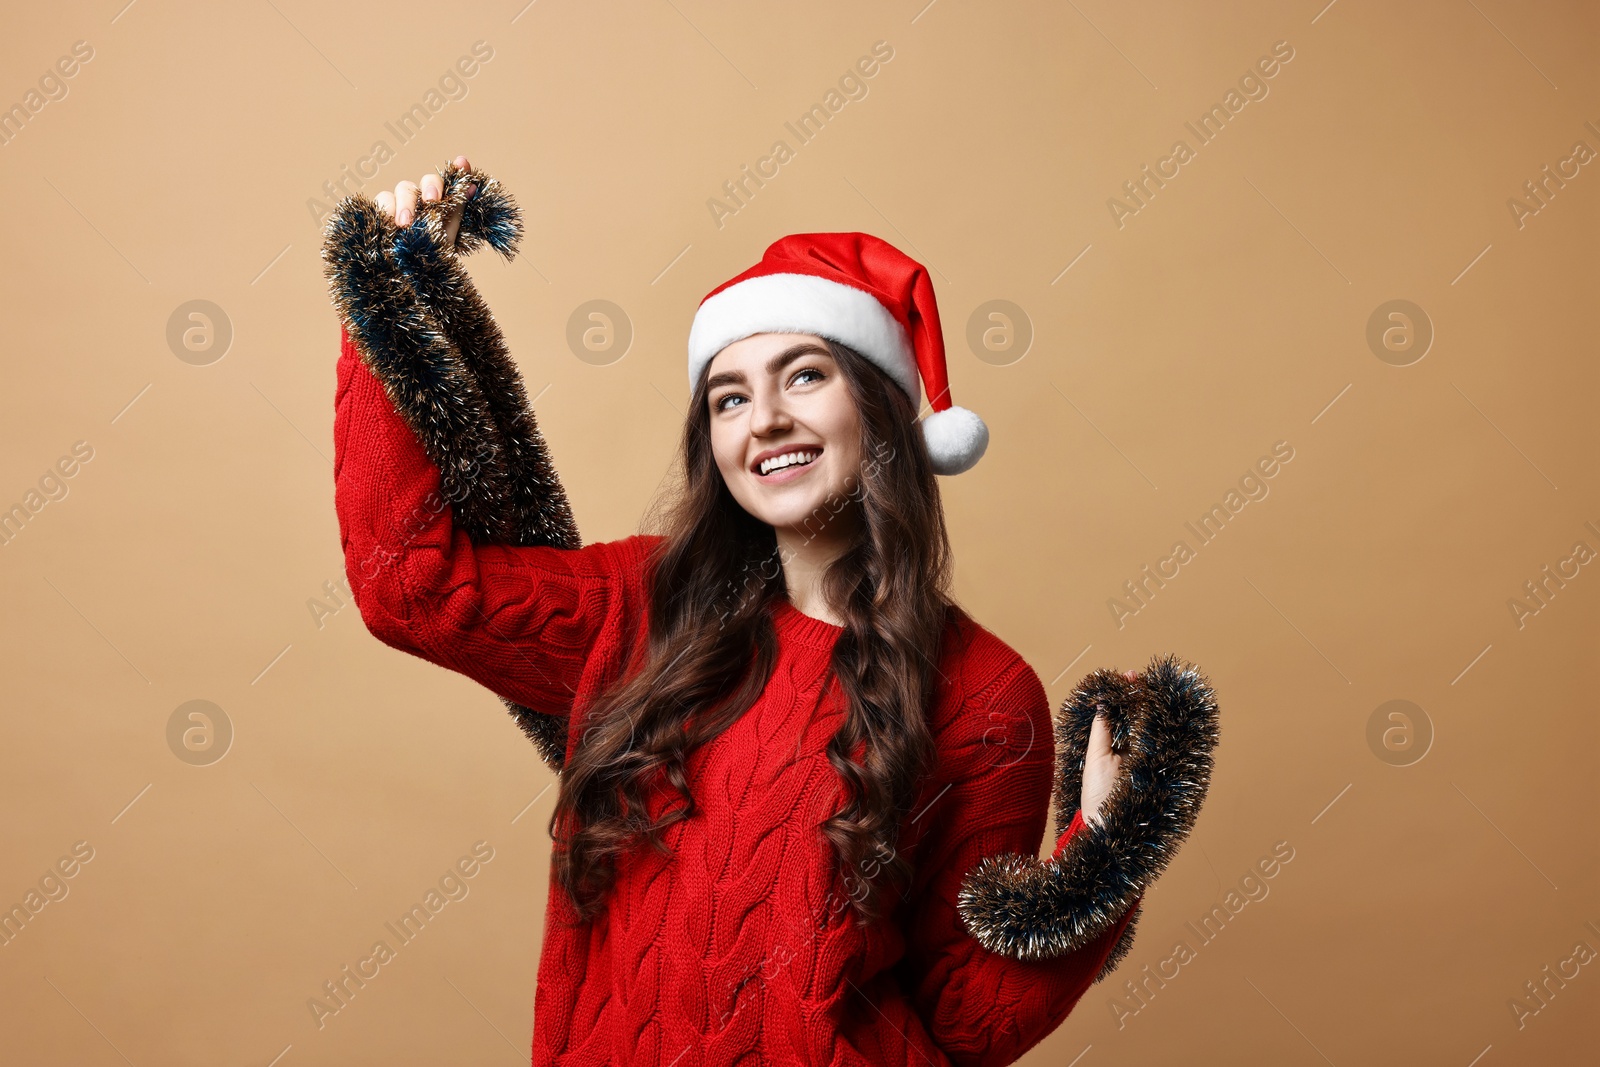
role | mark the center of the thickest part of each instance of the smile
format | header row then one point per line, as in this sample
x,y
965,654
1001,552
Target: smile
x,y
784,466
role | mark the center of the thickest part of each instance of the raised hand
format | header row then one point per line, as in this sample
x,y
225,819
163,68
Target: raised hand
x,y
401,205
1101,766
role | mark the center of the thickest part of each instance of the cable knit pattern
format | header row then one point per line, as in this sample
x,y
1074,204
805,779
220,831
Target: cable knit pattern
x,y
739,948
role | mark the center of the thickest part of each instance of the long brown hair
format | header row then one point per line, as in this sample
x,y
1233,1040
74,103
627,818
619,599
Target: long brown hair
x,y
712,647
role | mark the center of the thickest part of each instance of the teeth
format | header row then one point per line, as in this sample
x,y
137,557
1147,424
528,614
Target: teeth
x,y
788,459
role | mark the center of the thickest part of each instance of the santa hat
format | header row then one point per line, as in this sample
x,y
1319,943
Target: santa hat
x,y
860,291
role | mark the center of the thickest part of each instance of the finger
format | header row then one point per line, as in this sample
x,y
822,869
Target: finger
x,y
463,164
1100,742
1099,736
405,202
432,187
1132,676
385,202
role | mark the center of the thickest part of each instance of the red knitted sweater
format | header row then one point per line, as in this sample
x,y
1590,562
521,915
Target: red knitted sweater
x,y
740,947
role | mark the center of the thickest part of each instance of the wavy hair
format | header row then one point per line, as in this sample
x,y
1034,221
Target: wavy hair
x,y
712,647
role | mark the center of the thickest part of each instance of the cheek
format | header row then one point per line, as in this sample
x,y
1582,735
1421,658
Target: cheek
x,y
844,438
832,415
725,448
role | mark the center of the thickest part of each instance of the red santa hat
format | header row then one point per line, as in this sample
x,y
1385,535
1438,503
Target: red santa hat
x,y
860,291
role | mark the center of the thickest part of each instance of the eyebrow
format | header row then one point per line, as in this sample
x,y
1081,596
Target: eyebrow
x,y
774,365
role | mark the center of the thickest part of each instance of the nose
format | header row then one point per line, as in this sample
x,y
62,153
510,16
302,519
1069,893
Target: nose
x,y
768,414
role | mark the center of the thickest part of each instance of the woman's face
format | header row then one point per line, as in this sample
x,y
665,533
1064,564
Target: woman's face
x,y
781,397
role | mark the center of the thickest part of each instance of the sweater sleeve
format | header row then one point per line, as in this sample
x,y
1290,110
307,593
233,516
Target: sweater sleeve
x,y
520,620
985,1009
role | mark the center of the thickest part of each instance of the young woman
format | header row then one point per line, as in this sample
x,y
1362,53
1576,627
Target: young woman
x,y
802,792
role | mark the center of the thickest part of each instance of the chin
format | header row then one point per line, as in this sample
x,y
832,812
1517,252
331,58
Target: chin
x,y
809,509
789,513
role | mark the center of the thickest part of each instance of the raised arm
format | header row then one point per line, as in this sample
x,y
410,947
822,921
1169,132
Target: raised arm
x,y
459,542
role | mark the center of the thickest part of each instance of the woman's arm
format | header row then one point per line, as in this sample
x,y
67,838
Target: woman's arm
x,y
520,620
984,1008
1002,945
1163,723
458,539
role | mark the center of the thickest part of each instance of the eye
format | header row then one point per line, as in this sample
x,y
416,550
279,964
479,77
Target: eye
x,y
721,402
807,370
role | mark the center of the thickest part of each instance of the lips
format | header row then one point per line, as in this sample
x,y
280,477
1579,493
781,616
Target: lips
x,y
771,453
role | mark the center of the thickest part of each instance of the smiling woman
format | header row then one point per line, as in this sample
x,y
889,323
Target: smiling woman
x,y
786,435
773,724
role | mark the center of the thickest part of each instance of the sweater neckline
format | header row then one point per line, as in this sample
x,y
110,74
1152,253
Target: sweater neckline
x,y
794,625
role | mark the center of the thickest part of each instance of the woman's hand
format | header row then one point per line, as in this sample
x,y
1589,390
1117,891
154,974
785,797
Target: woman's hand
x,y
401,205
1101,766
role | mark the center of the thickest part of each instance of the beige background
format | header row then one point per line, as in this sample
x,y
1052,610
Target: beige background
x,y
1228,314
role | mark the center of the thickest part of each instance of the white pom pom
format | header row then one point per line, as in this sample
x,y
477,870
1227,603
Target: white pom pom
x,y
956,439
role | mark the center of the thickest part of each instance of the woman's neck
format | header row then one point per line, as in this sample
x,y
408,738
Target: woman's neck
x,y
806,555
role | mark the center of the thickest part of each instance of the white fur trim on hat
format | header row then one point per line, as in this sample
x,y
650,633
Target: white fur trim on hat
x,y
804,303
956,439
